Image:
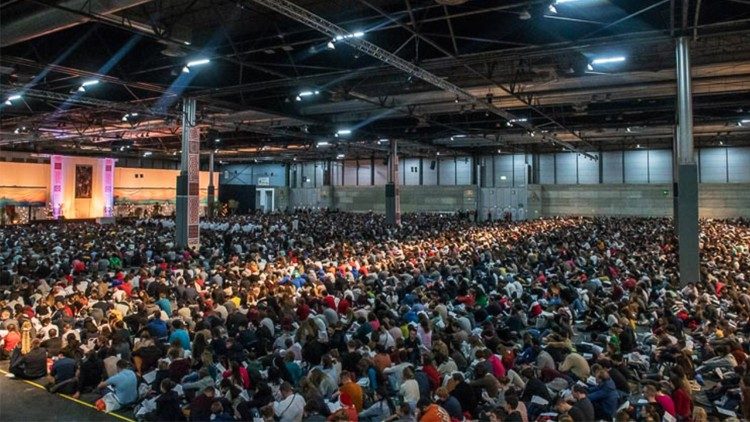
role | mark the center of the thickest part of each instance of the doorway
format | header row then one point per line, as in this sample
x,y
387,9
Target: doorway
x,y
264,200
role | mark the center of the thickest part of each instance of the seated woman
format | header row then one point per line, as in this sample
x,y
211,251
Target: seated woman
x,y
31,365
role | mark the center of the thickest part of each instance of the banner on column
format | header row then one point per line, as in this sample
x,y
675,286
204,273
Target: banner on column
x,y
56,185
108,185
193,176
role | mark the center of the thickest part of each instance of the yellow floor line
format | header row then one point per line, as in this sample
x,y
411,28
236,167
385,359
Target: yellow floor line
x,y
73,399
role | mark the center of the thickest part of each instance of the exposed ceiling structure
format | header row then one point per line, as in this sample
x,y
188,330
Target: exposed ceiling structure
x,y
314,79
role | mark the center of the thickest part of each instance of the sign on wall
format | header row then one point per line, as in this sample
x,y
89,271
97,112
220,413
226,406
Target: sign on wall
x,y
84,180
264,181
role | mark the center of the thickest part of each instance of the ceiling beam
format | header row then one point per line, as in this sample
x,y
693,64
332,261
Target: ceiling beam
x,y
314,21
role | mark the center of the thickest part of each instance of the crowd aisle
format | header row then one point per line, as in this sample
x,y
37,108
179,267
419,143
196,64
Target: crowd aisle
x,y
333,316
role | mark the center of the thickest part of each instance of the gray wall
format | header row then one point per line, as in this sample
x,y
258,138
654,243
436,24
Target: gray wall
x,y
372,198
715,201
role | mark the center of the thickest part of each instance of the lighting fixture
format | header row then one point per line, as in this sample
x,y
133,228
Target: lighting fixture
x,y
12,98
524,16
721,142
194,63
607,60
298,98
499,151
147,153
323,144
503,177
340,156
532,133
629,129
83,86
128,116
638,145
552,9
344,132
358,34
330,45
382,141
456,100
521,119
745,121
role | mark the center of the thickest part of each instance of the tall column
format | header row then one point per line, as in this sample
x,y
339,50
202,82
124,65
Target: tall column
x,y
686,187
211,191
392,194
481,205
187,218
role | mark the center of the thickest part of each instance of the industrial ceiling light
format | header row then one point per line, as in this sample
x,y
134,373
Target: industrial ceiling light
x,y
358,34
147,153
344,132
83,86
323,144
552,9
745,121
608,60
524,16
330,45
12,98
340,156
194,63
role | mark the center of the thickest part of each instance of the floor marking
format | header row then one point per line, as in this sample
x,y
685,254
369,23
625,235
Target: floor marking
x,y
71,398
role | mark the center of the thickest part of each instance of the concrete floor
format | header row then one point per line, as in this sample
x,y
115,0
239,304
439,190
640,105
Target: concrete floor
x,y
20,401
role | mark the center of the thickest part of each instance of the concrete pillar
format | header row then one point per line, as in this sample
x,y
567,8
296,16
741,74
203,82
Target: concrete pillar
x,y
392,195
187,212
211,197
686,186
481,211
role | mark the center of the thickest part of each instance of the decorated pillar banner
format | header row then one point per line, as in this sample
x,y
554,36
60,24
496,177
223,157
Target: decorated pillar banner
x,y
56,185
108,182
193,176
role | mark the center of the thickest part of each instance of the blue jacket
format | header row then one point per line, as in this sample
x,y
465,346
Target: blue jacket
x,y
605,397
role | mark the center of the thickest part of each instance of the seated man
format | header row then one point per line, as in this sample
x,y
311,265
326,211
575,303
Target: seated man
x,y
604,395
63,374
123,389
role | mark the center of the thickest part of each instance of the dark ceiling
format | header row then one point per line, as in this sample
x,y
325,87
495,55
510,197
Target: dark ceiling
x,y
527,58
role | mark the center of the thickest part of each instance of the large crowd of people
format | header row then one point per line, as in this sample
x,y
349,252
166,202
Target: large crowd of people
x,y
319,315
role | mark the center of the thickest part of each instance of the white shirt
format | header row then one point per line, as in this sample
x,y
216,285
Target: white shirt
x,y
410,391
290,409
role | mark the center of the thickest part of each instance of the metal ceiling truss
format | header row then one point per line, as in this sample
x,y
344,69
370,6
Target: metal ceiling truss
x,y
314,21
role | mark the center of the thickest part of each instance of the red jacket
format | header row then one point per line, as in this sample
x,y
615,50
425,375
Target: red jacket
x,y
683,404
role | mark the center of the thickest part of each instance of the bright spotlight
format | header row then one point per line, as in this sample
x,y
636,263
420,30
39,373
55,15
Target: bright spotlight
x,y
198,62
330,45
607,60
344,132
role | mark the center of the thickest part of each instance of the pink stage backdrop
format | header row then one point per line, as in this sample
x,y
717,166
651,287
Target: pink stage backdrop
x,y
108,183
56,185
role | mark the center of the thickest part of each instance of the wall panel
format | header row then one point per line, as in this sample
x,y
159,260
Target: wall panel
x,y
636,166
660,166
588,170
713,165
739,165
566,168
